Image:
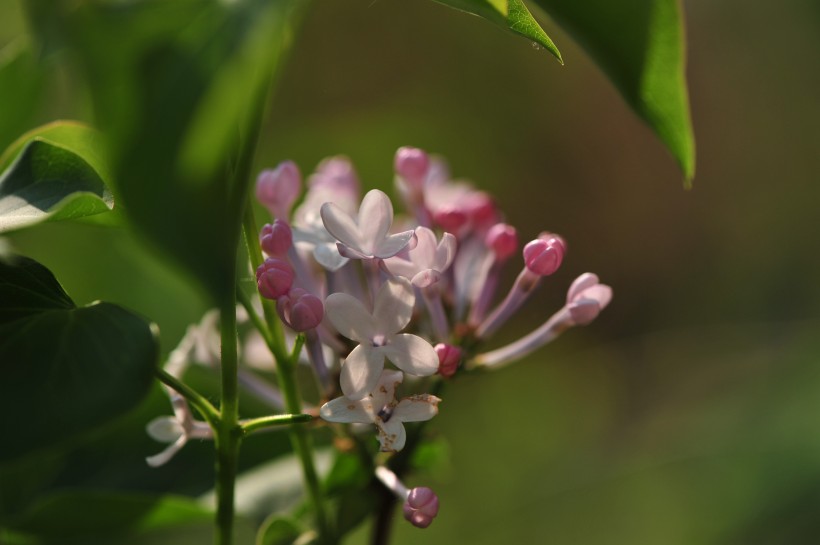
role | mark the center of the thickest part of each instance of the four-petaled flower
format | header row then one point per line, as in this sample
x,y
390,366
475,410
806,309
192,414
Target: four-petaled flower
x,y
379,337
175,429
382,409
424,264
367,236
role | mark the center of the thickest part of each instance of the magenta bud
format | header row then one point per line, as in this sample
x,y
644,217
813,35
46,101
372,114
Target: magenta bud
x,y
274,278
450,220
543,256
277,238
449,357
278,189
300,310
421,507
502,238
412,164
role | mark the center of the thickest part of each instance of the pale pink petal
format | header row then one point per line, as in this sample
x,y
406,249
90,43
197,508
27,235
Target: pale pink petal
x,y
347,411
385,391
349,317
393,244
412,354
341,225
163,457
375,219
581,283
391,435
600,293
424,254
417,408
445,252
426,278
361,371
401,267
329,257
394,306
165,429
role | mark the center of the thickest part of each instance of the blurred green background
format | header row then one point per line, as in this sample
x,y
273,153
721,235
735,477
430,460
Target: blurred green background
x,y
689,412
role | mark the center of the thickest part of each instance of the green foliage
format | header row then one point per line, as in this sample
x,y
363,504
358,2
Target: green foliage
x,y
180,99
54,172
22,83
639,44
278,530
69,370
512,15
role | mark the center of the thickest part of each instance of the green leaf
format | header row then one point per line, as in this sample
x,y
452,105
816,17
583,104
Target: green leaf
x,y
180,95
21,90
640,45
66,370
278,530
54,172
512,15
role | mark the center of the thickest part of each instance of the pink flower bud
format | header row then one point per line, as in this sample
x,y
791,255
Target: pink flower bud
x,y
450,219
278,189
586,298
449,357
300,310
421,507
502,239
276,239
274,278
544,255
412,164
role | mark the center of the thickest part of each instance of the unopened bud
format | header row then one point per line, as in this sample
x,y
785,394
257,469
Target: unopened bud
x,y
277,238
274,278
586,298
300,310
412,164
278,188
421,507
449,357
543,256
502,238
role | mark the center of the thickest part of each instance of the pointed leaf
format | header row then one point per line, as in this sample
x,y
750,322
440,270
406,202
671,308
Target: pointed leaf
x,y
21,90
66,370
640,45
512,15
54,172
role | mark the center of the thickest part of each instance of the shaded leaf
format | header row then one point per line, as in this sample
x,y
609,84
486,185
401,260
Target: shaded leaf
x,y
54,172
278,530
511,15
21,90
66,370
182,87
640,45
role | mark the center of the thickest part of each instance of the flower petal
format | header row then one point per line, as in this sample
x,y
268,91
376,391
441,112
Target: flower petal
x,y
329,257
385,391
163,457
581,283
412,354
350,318
165,429
375,219
393,244
417,408
348,411
391,435
445,252
394,306
340,225
361,371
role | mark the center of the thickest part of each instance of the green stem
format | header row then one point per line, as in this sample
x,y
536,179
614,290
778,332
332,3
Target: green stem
x,y
208,411
253,424
227,440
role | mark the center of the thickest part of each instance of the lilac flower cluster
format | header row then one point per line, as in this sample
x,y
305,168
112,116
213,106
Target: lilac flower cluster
x,y
419,296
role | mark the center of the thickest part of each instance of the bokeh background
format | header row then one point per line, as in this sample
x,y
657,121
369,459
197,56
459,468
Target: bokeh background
x,y
689,412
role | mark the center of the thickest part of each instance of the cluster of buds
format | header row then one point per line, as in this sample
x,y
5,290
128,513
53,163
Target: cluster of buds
x,y
380,306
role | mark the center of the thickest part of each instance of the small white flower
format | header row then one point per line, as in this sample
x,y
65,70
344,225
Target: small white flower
x,y
367,236
175,429
379,336
382,409
586,298
424,264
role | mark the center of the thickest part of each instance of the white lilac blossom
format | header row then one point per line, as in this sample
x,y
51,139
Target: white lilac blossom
x,y
379,337
368,235
424,263
382,409
334,180
175,429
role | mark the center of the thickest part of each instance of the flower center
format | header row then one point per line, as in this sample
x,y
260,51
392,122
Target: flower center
x,y
385,413
379,340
